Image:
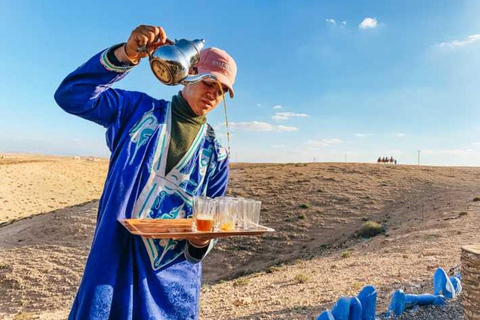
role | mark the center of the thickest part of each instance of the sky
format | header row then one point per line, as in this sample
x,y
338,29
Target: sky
x,y
325,81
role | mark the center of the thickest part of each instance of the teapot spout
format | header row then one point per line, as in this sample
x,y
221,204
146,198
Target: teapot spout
x,y
197,78
199,44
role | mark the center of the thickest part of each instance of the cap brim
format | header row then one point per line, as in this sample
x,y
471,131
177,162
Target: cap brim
x,y
222,78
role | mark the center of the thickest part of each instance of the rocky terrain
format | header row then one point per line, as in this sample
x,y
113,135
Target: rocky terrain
x,y
314,257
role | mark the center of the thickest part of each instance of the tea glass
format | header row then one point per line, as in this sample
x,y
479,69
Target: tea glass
x,y
204,214
227,211
250,213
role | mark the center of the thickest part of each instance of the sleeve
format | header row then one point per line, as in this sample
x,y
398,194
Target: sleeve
x,y
87,93
195,254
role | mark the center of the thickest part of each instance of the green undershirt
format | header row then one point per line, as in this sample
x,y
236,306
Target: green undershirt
x,y
185,127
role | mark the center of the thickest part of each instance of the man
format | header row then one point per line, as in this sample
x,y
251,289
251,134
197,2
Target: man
x,y
162,155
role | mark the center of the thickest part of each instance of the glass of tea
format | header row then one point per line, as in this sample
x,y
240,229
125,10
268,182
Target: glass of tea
x,y
227,211
204,214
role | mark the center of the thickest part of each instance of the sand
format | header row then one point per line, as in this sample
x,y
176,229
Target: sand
x,y
314,257
32,184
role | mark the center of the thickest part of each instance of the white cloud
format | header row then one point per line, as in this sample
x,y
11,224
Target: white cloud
x,y
323,142
259,105
287,115
259,126
334,23
476,144
277,107
315,143
331,21
399,135
332,141
363,135
368,23
460,43
285,128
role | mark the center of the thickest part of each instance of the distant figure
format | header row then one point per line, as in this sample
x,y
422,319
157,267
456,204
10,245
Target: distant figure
x,y
391,159
379,160
395,161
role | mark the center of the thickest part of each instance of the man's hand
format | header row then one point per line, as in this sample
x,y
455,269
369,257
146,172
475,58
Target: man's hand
x,y
148,37
199,242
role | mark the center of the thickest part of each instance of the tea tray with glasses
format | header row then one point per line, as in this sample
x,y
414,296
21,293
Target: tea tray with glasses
x,y
183,229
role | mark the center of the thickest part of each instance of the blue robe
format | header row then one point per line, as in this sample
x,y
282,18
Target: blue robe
x,y
126,276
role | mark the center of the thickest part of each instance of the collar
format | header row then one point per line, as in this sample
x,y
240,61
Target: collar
x,y
182,112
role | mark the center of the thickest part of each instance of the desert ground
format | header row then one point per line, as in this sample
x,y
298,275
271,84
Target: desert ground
x,y
48,211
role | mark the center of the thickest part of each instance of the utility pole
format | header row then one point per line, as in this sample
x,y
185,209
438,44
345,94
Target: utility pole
x,y
419,156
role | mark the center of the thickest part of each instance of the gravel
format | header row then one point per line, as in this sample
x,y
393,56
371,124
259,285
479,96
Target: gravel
x,y
451,311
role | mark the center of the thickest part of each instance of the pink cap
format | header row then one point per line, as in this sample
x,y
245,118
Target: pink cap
x,y
219,63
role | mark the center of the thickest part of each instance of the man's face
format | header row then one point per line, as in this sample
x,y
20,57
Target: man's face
x,y
203,96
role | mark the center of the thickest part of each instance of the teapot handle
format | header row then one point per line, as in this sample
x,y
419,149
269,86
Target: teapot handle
x,y
144,48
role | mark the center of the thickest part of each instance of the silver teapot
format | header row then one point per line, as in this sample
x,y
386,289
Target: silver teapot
x,y
171,63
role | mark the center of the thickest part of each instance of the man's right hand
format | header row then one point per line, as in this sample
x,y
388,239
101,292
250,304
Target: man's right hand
x,y
148,37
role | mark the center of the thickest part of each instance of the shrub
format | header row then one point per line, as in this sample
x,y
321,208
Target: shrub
x,y
301,278
24,316
370,229
428,237
346,254
301,216
357,285
476,199
240,282
272,269
463,213
304,206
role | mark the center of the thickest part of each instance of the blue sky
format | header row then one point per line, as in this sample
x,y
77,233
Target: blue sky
x,y
316,79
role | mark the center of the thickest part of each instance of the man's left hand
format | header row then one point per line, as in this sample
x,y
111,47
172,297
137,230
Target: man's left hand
x,y
199,242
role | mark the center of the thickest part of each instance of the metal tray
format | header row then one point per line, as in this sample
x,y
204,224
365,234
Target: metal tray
x,y
164,228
